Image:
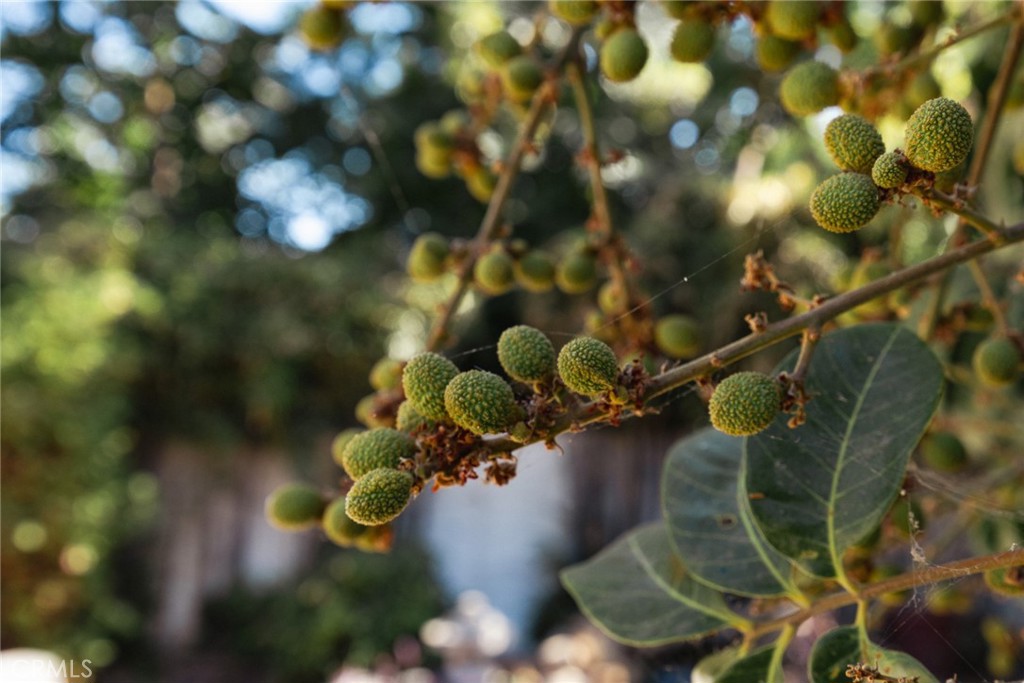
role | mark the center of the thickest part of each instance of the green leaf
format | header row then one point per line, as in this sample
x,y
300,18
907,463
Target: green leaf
x,y
700,505
755,668
839,648
638,592
817,489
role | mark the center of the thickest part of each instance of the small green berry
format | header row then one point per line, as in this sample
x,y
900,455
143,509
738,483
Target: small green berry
x,y
494,272
481,183
339,527
853,143
521,77
588,366
408,420
576,273
775,54
842,35
381,447
943,451
386,374
366,412
424,380
575,12
744,403
611,298
891,39
996,362
498,48
677,336
845,202
526,354
427,257
623,55
379,497
479,401
434,147
535,271
322,28
809,87
889,170
339,443
293,507
939,135
692,41
792,19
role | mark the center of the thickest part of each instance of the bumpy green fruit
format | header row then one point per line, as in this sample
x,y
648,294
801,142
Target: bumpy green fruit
x,y
424,380
481,183
386,374
521,78
588,366
339,527
692,40
623,55
294,506
809,87
996,362
792,19
844,202
775,54
576,273
381,447
480,401
427,257
498,48
339,443
939,135
678,336
853,143
494,272
576,12
526,354
744,403
889,170
535,271
943,451
322,28
379,497
408,420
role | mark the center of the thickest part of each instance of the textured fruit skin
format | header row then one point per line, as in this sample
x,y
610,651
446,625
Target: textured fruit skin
x,y
339,443
889,171
939,135
535,271
575,12
521,77
386,374
427,257
408,420
494,272
844,202
526,354
996,361
692,41
744,403
292,507
775,54
588,366
338,527
943,451
322,28
576,273
424,380
792,19
479,401
678,336
498,48
379,497
381,447
623,55
853,143
809,87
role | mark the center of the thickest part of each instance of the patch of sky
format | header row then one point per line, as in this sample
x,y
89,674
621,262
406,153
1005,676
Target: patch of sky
x,y
201,21
743,101
105,107
186,50
684,134
393,18
19,174
25,18
81,16
117,49
262,17
18,82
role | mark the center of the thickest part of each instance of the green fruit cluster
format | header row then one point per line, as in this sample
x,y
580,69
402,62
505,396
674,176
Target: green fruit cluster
x,y
340,442
744,403
379,496
677,336
376,448
576,272
809,87
889,171
494,272
588,366
526,354
853,143
427,257
479,401
498,48
535,271
408,420
845,202
521,76
939,135
693,40
293,507
996,362
424,380
623,55
434,149
773,53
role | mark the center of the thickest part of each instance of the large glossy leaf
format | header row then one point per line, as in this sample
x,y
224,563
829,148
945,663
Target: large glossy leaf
x,y
817,489
839,648
639,593
705,522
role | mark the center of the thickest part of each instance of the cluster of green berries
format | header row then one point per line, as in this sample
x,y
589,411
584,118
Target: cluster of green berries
x,y
745,403
447,146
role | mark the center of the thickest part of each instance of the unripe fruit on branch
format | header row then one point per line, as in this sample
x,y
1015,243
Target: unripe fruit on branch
x,y
576,273
535,271
943,451
381,447
939,135
480,401
340,442
498,48
339,527
427,257
424,380
889,171
408,419
996,362
494,273
526,354
744,403
293,507
677,336
623,55
521,77
481,183
845,202
366,412
793,19
386,374
853,143
588,366
322,28
775,54
379,497
692,41
575,12
809,87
